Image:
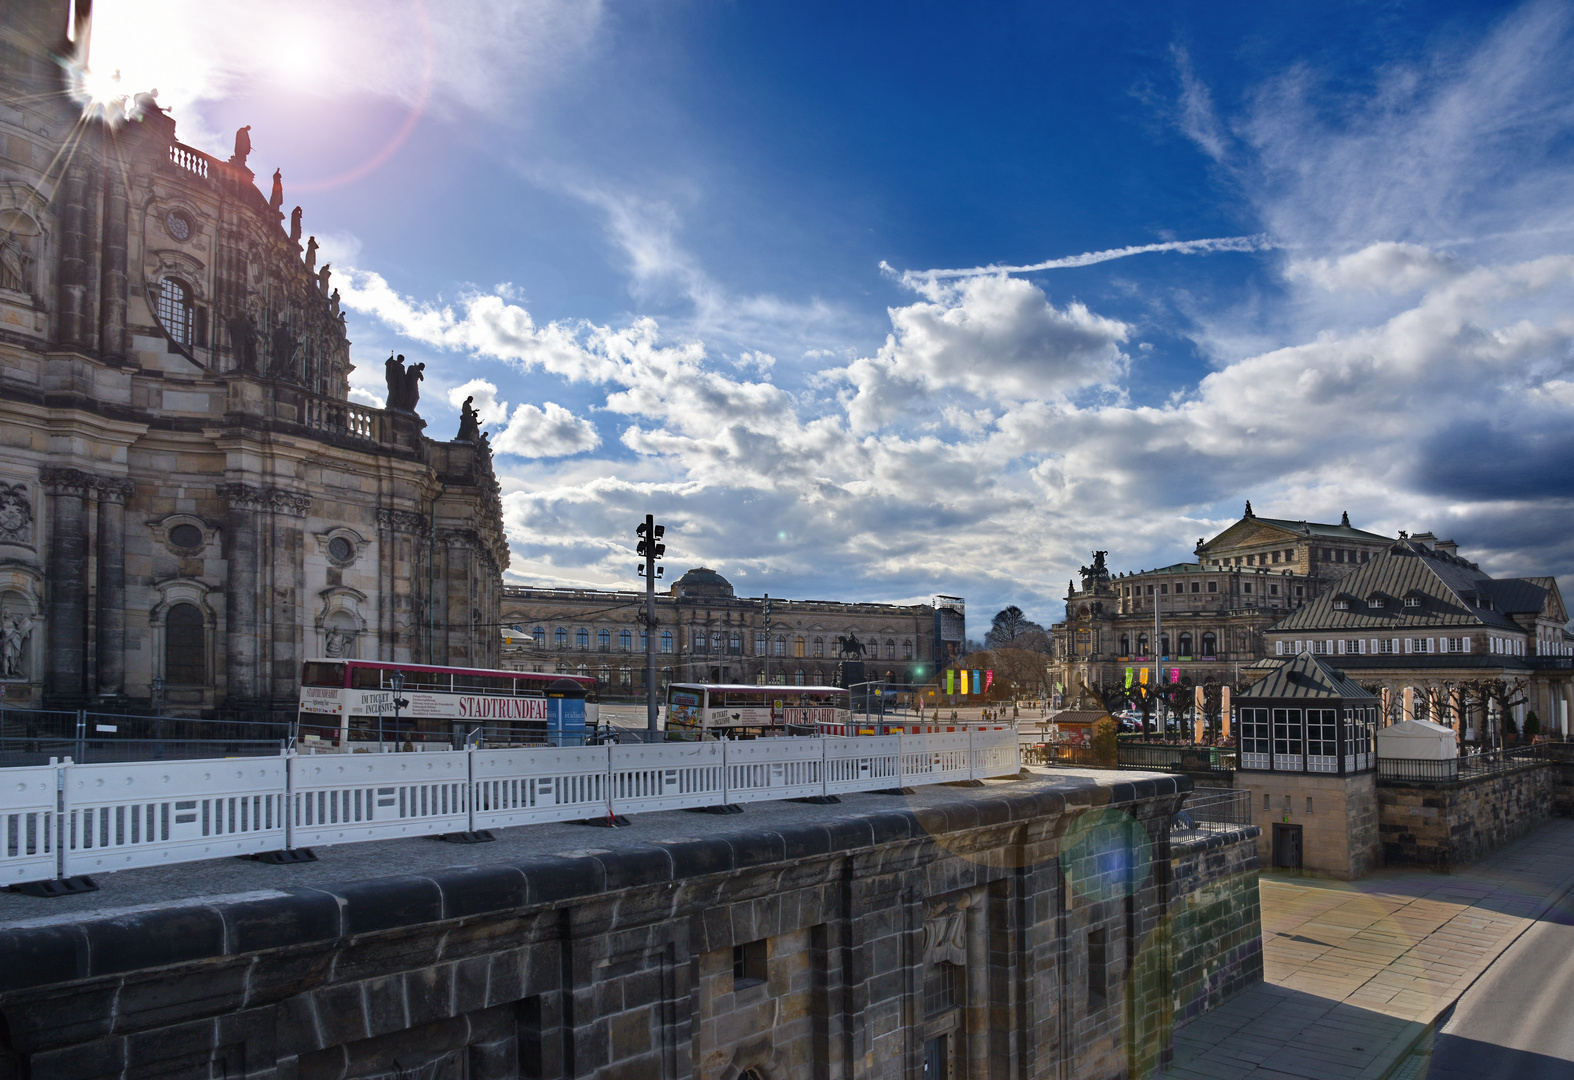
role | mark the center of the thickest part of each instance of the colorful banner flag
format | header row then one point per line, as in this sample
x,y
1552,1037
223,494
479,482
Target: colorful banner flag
x,y
963,673
1130,674
1142,676
950,681
989,679
1174,675
978,682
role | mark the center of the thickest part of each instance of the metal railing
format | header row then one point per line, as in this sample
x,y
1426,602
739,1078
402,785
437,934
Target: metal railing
x,y
1214,810
1463,768
1157,757
33,736
67,818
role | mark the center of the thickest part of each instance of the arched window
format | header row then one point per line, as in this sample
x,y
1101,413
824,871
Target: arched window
x,y
604,640
1164,645
666,641
907,649
625,640
560,638
797,678
700,639
625,676
582,638
184,647
1185,644
666,676
584,671
781,645
890,648
606,675
1125,644
540,636
735,644
715,641
819,646
174,309
797,650
1210,644
1142,644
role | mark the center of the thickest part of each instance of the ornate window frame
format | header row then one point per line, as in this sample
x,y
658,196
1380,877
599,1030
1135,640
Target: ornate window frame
x,y
162,527
184,591
358,546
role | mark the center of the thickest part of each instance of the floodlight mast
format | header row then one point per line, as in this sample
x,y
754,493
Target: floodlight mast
x,y
651,547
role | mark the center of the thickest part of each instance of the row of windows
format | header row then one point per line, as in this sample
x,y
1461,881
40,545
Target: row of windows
x,y
1210,645
1290,732
1373,646
704,642
1213,587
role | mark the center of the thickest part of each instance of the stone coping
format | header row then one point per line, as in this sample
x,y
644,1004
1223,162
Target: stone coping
x,y
1183,844
193,912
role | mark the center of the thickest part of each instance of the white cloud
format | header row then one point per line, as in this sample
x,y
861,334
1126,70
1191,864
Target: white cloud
x,y
550,431
1198,121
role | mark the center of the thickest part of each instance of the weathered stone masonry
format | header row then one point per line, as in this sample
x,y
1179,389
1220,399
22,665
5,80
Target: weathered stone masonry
x,y
1023,931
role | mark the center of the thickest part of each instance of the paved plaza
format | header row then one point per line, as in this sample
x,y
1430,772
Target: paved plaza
x,y
1355,972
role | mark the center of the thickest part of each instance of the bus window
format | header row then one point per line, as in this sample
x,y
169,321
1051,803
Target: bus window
x,y
364,678
318,673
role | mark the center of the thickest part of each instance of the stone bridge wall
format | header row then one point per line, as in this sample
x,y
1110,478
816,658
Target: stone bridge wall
x,y
1445,826
1024,931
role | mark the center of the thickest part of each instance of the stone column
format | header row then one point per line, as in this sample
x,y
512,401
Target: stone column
x,y
66,580
112,495
112,281
286,552
72,325
242,587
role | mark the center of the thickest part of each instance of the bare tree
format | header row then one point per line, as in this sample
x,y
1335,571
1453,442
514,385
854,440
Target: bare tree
x,y
1008,625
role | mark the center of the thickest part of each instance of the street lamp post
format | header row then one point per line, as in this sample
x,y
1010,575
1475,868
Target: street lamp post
x,y
651,548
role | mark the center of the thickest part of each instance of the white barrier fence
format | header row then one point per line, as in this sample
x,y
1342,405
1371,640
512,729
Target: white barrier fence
x,y
64,819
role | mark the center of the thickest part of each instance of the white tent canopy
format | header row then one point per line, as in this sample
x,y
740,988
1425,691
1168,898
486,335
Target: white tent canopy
x,y
1417,740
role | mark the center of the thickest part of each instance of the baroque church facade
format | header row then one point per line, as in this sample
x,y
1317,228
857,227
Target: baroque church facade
x,y
190,505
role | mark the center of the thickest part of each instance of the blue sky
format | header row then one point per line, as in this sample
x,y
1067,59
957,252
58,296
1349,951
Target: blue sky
x,y
695,258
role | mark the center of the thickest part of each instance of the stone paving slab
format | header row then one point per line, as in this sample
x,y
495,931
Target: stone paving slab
x,y
1356,971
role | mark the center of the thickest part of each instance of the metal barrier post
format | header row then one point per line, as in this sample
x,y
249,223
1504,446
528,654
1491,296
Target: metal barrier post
x,y
290,760
470,787
901,763
825,767
60,817
972,767
81,734
726,778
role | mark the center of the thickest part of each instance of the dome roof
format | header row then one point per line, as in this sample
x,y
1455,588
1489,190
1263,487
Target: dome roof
x,y
701,581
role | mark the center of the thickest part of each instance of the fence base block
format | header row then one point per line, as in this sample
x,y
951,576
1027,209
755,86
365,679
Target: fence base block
x,y
283,857
479,836
52,887
608,821
965,783
819,800
893,791
720,808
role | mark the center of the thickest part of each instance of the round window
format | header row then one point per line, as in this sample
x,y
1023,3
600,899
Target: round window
x,y
186,536
178,224
340,549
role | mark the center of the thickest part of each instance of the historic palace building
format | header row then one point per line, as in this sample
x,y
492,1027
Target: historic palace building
x,y
189,503
1441,639
1212,613
707,633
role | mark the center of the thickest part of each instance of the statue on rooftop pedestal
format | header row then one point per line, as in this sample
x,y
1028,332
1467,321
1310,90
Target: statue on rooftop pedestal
x,y
394,368
311,253
469,422
276,200
295,225
322,278
242,146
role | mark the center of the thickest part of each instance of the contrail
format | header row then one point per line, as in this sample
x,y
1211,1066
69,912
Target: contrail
x,y
1259,242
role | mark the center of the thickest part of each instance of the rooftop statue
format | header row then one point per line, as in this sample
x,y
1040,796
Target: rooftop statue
x,y
242,146
311,253
276,200
469,422
295,224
